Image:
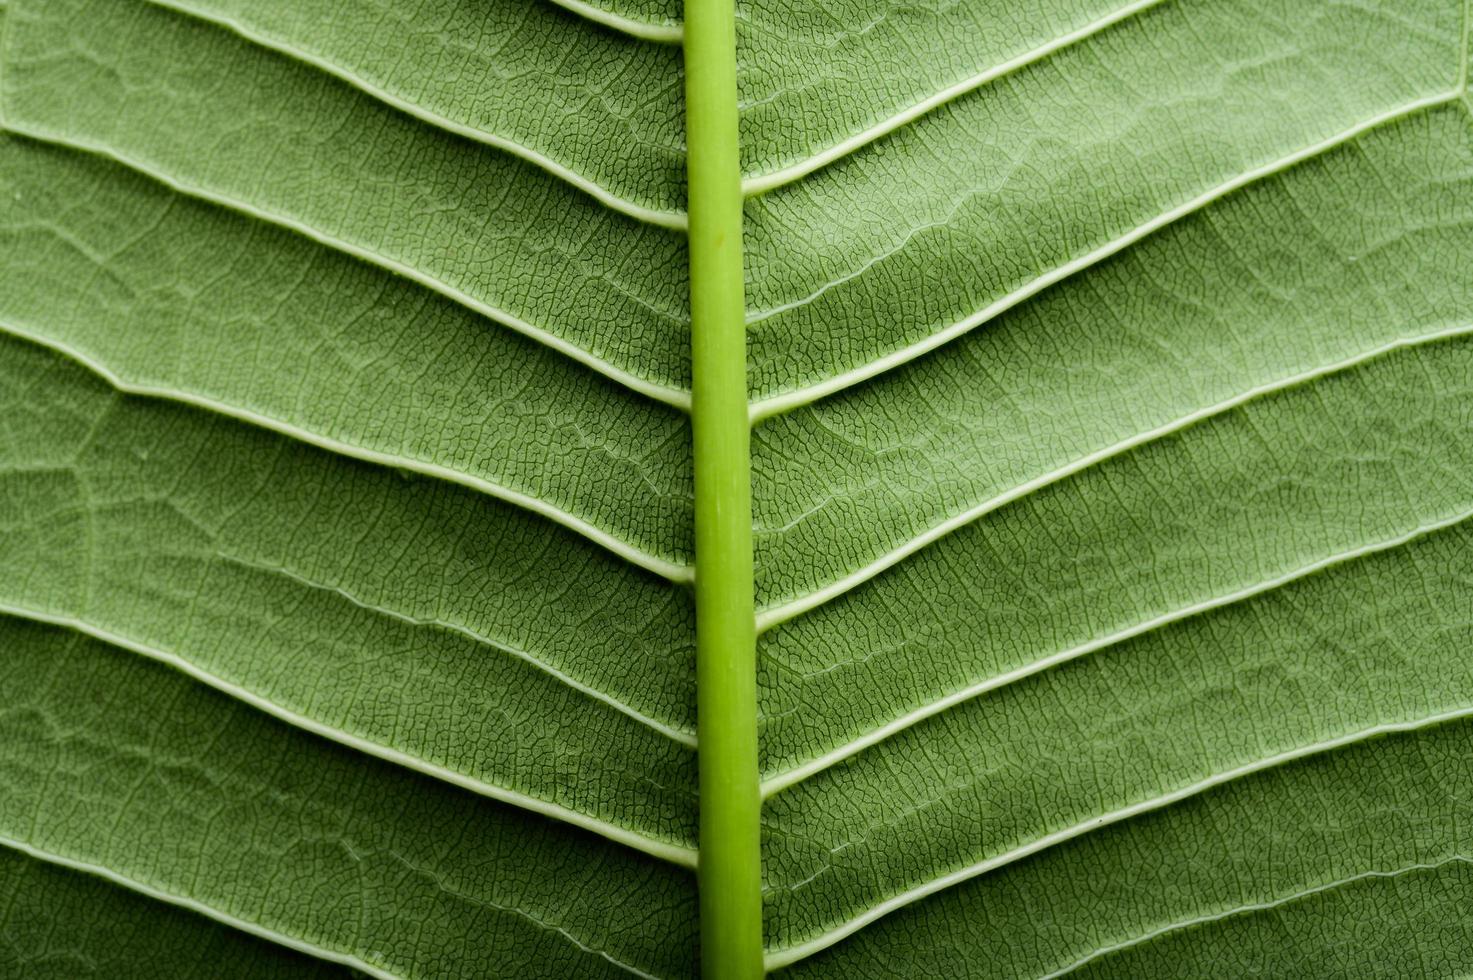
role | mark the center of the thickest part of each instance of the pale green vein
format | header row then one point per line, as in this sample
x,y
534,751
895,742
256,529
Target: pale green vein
x,y
665,219
193,905
672,571
762,183
674,397
783,780
1465,51
776,615
271,935
644,30
776,404
539,923
1255,907
730,817
662,849
791,954
676,734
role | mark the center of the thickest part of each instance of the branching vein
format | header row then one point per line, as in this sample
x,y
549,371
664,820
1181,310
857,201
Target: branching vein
x,y
792,954
781,781
674,397
664,850
787,401
776,615
665,219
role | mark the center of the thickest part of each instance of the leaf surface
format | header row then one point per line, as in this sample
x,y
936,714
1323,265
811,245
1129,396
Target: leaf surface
x,y
252,823
112,932
1110,372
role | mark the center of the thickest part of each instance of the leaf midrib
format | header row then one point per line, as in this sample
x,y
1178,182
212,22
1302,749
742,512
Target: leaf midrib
x,y
679,572
752,185
762,408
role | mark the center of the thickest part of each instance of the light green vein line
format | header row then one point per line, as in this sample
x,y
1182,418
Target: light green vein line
x,y
792,954
762,183
259,931
783,780
787,401
644,30
106,873
665,219
1254,907
674,397
783,612
1465,51
675,734
672,571
664,850
730,879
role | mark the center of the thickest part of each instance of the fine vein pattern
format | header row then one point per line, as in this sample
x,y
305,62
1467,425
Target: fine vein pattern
x,y
1109,377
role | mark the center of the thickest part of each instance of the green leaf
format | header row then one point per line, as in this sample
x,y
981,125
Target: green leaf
x,y
64,924
1109,420
268,829
150,88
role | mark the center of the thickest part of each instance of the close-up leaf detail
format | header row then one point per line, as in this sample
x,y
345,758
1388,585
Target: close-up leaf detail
x,y
578,488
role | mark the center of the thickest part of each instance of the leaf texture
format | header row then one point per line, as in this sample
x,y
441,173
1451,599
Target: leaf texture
x,y
1355,868
150,88
65,923
233,814
1111,378
483,71
229,552
1120,460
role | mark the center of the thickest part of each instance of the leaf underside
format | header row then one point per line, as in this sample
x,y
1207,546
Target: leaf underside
x,y
1112,373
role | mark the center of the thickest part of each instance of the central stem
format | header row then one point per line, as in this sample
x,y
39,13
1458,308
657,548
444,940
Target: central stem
x,y
726,661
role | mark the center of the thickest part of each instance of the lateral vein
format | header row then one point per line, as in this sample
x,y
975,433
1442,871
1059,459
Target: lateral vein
x,y
792,954
787,401
783,612
673,571
784,780
762,183
661,33
664,850
676,734
1252,907
674,220
674,397
193,905
271,935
